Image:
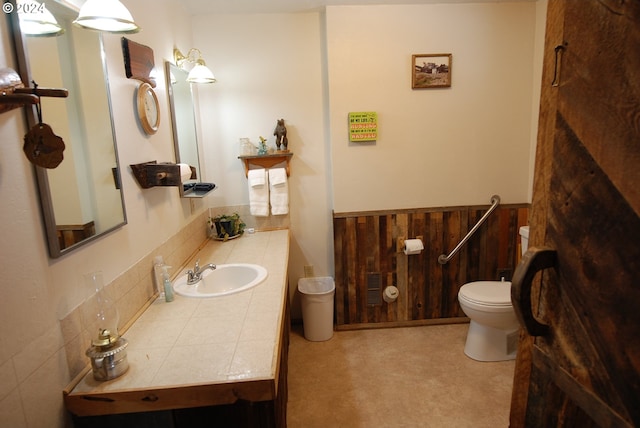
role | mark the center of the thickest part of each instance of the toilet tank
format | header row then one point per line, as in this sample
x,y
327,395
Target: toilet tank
x,y
524,239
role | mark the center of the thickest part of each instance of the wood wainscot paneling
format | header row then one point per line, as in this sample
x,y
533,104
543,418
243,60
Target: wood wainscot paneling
x,y
369,257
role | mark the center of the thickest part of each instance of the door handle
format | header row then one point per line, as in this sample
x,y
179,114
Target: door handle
x,y
533,261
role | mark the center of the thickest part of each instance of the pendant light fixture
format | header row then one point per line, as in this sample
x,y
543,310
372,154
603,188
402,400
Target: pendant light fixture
x,y
36,20
109,16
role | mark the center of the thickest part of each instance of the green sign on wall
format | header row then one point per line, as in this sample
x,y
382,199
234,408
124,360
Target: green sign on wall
x,y
363,126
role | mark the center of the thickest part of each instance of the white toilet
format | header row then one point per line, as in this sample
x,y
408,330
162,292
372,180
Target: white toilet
x,y
493,330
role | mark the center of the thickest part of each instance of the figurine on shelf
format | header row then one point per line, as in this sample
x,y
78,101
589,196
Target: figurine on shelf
x,y
281,135
262,148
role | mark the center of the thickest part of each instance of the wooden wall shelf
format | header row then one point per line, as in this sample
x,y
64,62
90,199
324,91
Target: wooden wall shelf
x,y
267,161
138,61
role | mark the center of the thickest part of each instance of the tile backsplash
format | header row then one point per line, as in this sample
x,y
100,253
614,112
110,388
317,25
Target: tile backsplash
x,y
271,222
132,291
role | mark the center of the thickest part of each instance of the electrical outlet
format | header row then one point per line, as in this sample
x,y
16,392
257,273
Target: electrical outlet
x,y
504,273
308,271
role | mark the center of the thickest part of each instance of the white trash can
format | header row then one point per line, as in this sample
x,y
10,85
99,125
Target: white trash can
x,y
317,307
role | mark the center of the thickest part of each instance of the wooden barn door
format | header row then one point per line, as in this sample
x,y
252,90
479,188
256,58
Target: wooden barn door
x,y
578,289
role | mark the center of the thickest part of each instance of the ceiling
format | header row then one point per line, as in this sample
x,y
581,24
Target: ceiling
x,y
200,7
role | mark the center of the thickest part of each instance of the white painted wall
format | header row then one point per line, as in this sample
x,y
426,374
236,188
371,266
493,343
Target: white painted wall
x,y
269,66
436,147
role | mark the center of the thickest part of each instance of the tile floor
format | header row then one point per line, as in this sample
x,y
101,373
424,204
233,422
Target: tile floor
x,y
397,377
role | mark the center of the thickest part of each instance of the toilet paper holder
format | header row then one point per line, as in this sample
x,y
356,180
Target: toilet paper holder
x,y
400,243
152,174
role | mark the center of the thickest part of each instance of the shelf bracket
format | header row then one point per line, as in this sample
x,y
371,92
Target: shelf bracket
x,y
267,161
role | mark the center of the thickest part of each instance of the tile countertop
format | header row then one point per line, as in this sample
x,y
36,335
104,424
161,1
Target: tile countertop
x,y
194,352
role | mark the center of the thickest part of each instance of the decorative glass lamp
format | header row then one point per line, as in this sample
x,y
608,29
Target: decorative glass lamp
x,y
110,16
108,350
200,73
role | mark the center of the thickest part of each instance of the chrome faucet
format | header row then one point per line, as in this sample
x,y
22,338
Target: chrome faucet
x,y
195,275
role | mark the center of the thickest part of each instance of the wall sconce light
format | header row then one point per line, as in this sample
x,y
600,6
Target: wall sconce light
x,y
110,16
36,20
200,73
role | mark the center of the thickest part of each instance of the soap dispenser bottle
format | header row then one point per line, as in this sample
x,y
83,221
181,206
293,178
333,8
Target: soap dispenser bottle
x,y
158,265
168,288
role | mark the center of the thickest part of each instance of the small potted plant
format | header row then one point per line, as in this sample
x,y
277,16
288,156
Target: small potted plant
x,y
227,226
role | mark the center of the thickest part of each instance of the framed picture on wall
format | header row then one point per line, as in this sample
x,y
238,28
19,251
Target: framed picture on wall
x,y
430,71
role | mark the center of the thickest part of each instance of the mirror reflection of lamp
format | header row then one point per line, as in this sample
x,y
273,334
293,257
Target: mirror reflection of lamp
x,y
199,72
36,20
110,16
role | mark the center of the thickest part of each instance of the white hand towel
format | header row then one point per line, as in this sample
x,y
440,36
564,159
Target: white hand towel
x,y
279,191
258,192
256,177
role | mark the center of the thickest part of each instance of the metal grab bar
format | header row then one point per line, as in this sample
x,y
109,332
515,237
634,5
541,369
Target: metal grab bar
x,y
443,258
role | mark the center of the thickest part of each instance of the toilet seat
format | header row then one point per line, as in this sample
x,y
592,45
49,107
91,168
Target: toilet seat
x,y
487,294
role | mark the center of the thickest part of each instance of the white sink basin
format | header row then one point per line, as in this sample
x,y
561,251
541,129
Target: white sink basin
x,y
223,280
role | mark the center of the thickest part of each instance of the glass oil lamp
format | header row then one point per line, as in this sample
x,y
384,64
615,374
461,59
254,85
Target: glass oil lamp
x,y
107,353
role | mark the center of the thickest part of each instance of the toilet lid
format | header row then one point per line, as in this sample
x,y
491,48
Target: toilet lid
x,y
495,293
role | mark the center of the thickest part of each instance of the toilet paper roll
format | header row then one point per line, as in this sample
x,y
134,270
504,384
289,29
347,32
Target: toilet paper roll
x,y
185,172
390,294
413,246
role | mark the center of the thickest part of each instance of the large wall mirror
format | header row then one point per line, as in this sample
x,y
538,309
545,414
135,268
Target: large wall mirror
x,y
81,198
183,122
